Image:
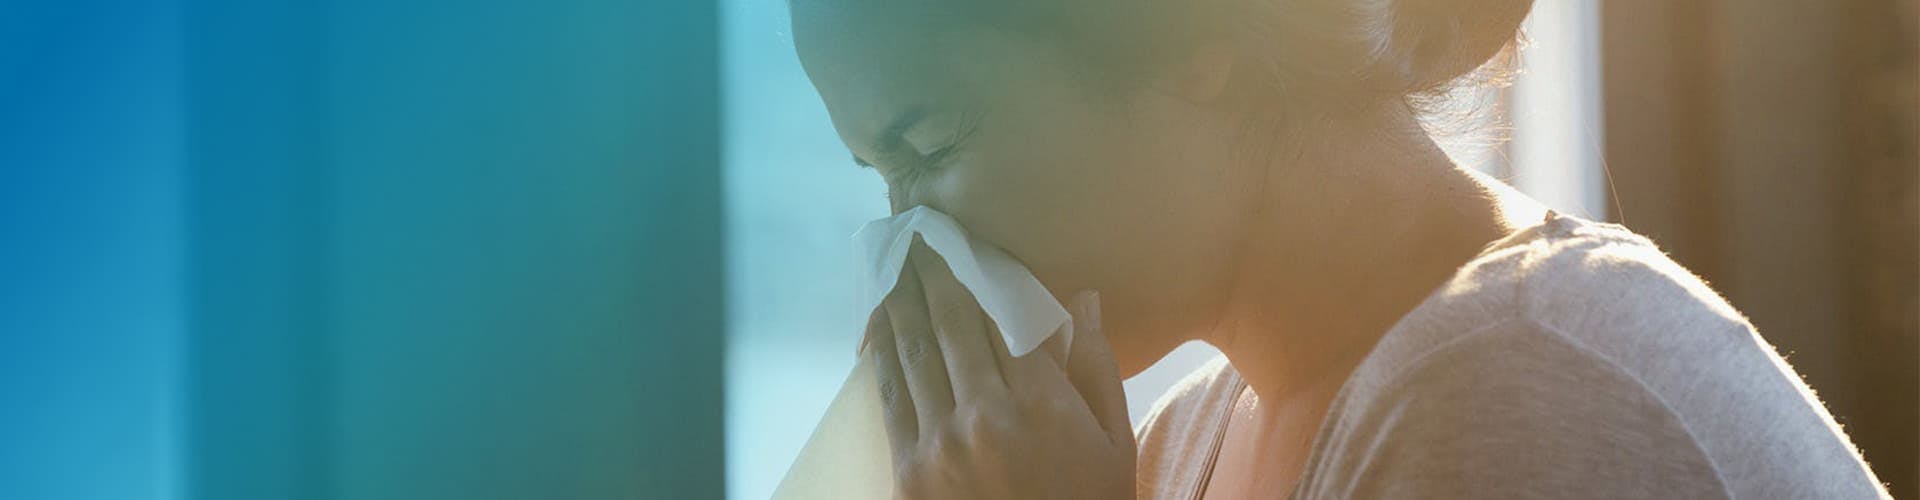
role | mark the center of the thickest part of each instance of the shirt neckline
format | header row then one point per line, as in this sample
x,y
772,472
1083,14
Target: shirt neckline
x,y
1552,223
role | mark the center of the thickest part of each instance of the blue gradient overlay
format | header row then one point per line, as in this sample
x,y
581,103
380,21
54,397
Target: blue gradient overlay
x,y
357,249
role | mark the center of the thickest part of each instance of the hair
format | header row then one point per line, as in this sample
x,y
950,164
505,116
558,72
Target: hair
x,y
1305,55
1302,63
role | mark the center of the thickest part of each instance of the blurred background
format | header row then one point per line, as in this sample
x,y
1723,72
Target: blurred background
x,y
587,249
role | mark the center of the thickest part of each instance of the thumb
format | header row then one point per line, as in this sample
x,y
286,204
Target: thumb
x,y
1092,369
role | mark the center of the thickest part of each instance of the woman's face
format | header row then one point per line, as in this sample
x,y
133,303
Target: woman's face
x,y
1129,192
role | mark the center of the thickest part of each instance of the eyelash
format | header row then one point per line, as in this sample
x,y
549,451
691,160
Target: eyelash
x,y
970,122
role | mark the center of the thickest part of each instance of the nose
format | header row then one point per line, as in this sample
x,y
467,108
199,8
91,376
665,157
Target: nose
x,y
902,198
896,200
905,193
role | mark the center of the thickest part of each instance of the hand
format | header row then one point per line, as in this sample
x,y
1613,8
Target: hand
x,y
968,420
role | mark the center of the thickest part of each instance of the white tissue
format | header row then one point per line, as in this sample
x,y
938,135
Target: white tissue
x,y
1016,301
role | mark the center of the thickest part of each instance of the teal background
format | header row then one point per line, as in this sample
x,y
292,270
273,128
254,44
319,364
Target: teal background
x,y
92,238
360,250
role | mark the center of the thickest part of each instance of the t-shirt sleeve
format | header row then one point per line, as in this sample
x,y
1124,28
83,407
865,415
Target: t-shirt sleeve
x,y
1176,435
1516,411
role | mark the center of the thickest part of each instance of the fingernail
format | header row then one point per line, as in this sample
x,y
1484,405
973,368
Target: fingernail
x,y
1088,303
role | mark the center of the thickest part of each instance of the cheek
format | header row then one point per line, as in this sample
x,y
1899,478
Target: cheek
x,y
1085,211
1079,203
1033,195
1141,207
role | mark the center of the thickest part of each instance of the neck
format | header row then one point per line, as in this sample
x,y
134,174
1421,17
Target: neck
x,y
1314,293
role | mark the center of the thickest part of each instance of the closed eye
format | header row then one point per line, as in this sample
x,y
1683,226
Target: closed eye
x,y
969,124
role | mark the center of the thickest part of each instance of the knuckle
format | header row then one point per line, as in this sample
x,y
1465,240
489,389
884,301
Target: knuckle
x,y
891,392
950,323
950,312
957,320
1046,406
914,351
947,447
976,422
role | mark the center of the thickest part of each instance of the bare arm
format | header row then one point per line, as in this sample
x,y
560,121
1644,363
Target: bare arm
x,y
848,456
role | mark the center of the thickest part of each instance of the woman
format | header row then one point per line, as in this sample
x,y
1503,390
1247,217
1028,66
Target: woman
x,y
1254,174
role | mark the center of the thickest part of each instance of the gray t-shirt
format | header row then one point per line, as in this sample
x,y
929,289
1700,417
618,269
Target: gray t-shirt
x,y
1568,360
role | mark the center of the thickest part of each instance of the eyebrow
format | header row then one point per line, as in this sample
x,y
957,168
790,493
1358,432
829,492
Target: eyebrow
x,y
890,138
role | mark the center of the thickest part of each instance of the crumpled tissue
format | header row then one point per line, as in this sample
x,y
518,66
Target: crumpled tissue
x,y
1015,300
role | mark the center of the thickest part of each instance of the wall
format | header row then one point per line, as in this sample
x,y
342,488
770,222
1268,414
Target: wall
x,y
1770,147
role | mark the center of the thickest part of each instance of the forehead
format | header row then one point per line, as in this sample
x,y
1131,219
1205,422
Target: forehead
x,y
880,54
873,59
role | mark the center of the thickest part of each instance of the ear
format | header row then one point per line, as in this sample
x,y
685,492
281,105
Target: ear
x,y
1434,41
1201,76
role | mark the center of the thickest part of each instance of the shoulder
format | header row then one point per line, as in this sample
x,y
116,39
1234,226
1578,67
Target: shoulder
x,y
1598,287
1599,277
1579,276
1512,409
1578,351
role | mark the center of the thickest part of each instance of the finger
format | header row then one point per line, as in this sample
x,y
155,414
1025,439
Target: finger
x,y
1094,372
902,427
1038,376
1019,372
960,327
918,350
1002,357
